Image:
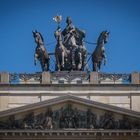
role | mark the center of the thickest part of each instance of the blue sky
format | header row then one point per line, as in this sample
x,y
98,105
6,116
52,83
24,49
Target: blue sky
x,y
19,17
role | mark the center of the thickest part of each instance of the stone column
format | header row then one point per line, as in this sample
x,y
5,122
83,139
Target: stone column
x,y
46,77
4,78
94,78
4,100
135,78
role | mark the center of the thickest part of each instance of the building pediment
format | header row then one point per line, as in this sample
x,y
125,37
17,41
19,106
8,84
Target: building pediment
x,y
69,112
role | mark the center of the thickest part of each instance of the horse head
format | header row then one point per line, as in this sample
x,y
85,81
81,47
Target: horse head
x,y
35,35
58,35
105,35
38,37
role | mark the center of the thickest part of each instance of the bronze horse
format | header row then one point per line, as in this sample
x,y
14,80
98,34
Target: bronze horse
x,y
81,51
41,52
60,51
99,52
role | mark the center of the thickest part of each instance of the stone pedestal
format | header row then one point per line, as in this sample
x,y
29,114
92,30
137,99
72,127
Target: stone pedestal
x,y
4,78
46,78
135,78
94,78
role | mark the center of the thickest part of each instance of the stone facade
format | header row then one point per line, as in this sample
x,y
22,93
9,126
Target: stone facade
x,y
69,117
70,105
126,96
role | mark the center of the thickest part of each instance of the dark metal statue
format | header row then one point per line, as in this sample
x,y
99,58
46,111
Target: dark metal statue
x,y
81,51
73,41
99,52
60,50
40,51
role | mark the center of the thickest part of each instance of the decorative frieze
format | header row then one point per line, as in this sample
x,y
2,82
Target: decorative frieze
x,y
25,78
70,76
69,118
67,77
114,77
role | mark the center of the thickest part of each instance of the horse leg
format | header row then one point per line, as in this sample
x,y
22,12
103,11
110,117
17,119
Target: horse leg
x,y
99,65
42,65
46,67
84,61
35,58
57,62
63,58
83,58
104,57
48,64
80,61
73,59
94,66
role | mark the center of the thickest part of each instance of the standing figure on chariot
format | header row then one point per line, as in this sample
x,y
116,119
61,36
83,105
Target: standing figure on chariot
x,y
69,34
73,41
69,39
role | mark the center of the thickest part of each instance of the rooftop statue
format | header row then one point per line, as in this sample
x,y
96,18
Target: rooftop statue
x,y
74,41
41,52
70,51
99,52
61,52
